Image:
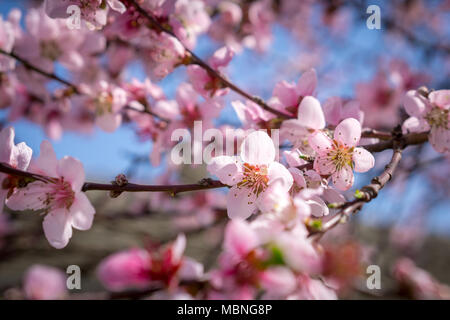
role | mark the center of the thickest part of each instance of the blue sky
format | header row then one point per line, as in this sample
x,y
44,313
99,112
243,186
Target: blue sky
x,y
104,155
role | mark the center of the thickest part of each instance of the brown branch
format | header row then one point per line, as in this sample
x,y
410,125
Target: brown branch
x,y
149,112
30,66
198,61
372,133
72,86
407,140
172,189
205,184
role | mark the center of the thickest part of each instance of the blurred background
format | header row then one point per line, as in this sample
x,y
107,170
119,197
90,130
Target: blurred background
x,y
411,217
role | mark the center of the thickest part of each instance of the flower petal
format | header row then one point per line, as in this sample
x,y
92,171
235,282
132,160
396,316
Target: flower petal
x,y
191,270
413,124
286,93
310,113
57,228
348,132
293,158
240,238
82,212
331,195
226,168
56,8
278,281
441,98
109,122
47,161
298,177
307,83
6,144
32,197
414,104
258,148
276,171
21,156
324,166
320,142
332,109
241,203
318,207
363,160
440,139
73,172
116,5
343,179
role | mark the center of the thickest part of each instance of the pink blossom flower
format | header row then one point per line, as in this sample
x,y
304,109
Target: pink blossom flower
x,y
223,29
288,96
251,176
48,41
312,289
188,20
260,17
182,112
139,268
17,156
314,190
419,282
203,82
61,198
6,44
380,98
336,110
293,158
107,102
298,251
162,53
311,189
278,282
264,255
44,283
339,156
310,117
430,114
250,114
125,269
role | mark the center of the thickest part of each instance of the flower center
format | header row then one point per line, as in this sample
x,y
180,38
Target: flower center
x,y
437,117
341,156
103,103
255,178
60,195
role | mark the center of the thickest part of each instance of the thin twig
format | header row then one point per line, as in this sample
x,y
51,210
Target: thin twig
x,y
129,187
30,66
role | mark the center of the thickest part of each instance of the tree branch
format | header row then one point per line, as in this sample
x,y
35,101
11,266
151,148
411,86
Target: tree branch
x,y
30,66
205,184
406,140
